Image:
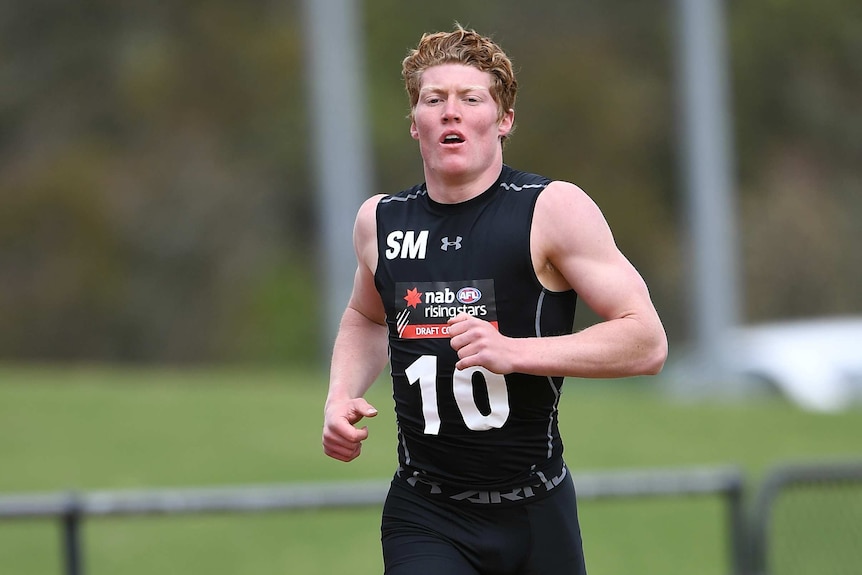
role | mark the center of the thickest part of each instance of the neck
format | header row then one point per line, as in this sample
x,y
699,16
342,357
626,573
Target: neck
x,y
453,188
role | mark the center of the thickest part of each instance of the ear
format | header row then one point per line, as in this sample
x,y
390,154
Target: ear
x,y
414,133
506,123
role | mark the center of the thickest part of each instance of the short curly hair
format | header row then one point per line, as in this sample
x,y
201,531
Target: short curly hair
x,y
461,46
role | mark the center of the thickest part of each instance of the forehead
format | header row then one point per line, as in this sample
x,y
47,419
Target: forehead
x,y
459,76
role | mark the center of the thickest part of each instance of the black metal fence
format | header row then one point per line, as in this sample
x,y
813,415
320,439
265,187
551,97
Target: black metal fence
x,y
748,534
808,519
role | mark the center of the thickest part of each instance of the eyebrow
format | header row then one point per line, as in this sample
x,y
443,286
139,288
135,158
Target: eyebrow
x,y
438,89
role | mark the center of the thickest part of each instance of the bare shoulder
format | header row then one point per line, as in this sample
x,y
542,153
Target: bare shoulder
x,y
365,227
566,196
366,215
567,217
365,232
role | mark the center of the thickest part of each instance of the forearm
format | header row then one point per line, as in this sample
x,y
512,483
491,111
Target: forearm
x,y
358,357
620,347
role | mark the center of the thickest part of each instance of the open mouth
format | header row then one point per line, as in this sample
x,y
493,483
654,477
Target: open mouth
x,y
453,139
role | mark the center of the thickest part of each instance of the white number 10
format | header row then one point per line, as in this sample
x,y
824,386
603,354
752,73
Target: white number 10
x,y
424,371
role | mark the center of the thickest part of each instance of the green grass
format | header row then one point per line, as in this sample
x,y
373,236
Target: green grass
x,y
85,428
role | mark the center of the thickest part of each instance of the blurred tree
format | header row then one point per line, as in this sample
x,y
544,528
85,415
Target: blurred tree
x,y
798,79
174,131
155,196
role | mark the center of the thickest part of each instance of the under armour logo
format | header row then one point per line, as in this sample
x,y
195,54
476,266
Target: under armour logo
x,y
447,244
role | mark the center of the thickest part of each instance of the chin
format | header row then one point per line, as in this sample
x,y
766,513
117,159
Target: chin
x,y
452,165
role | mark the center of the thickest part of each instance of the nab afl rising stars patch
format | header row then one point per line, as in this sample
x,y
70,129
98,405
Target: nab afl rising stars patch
x,y
425,307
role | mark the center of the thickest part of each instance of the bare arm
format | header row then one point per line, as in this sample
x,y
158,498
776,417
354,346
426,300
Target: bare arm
x,y
360,350
573,246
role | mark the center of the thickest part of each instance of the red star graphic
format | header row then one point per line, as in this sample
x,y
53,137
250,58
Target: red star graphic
x,y
413,297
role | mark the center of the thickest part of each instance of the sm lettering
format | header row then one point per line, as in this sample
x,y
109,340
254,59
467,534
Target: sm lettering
x,y
406,245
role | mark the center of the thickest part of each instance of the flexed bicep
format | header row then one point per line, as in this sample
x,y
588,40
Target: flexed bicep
x,y
575,248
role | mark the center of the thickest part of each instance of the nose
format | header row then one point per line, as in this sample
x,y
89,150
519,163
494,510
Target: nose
x,y
452,110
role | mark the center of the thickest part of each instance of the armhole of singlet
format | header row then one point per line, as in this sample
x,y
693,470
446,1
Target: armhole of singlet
x,y
535,276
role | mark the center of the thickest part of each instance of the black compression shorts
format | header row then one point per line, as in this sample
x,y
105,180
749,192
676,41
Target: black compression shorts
x,y
424,535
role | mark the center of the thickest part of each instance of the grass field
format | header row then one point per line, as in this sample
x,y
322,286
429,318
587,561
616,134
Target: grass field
x,y
87,428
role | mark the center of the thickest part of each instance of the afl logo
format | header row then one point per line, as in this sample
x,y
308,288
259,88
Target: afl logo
x,y
468,295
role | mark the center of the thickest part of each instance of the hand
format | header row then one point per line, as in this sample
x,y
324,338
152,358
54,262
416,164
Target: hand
x,y
479,343
341,439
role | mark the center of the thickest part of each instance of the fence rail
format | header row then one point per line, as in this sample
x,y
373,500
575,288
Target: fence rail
x,y
195,500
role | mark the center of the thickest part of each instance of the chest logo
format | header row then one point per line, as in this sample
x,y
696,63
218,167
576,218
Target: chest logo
x,y
422,309
406,245
449,244
468,295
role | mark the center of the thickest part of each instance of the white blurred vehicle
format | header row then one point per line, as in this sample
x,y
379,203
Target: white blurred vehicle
x,y
816,363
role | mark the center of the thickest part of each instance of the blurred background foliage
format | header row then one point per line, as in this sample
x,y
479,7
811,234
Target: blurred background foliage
x,y
156,194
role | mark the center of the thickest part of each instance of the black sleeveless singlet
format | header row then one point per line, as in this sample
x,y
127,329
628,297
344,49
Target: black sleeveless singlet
x,y
471,428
